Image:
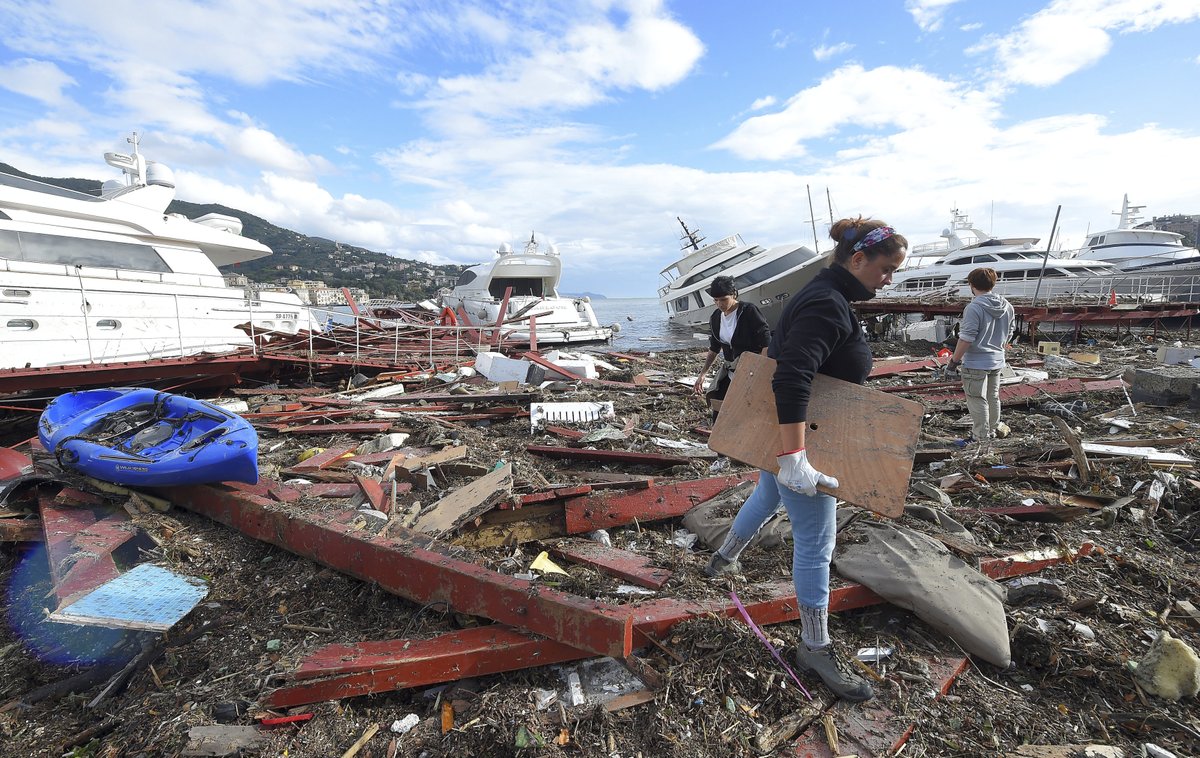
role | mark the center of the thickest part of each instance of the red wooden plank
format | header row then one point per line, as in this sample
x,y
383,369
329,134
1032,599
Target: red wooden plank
x,y
630,566
902,367
1020,393
384,666
374,493
268,488
79,547
608,456
602,510
361,427
416,567
548,495
872,729
13,464
334,489
571,434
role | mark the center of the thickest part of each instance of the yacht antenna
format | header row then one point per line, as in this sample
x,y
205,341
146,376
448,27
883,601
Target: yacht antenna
x,y
691,235
829,200
812,219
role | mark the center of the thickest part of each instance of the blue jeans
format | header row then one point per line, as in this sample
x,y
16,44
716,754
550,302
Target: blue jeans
x,y
814,531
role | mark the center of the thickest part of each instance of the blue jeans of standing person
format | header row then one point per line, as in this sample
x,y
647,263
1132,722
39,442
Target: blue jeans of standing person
x,y
982,388
814,531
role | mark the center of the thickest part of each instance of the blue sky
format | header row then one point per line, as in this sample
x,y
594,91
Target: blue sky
x,y
439,129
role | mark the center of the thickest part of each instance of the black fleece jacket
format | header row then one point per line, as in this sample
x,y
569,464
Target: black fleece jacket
x,y
818,333
751,332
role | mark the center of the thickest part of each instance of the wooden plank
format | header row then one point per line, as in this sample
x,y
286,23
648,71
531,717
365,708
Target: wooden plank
x,y
466,503
609,456
20,530
865,438
1081,459
633,567
452,453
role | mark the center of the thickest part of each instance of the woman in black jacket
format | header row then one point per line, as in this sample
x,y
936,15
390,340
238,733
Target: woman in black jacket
x,y
733,328
817,333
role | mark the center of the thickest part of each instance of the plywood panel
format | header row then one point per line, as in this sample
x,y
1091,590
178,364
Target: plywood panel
x,y
863,437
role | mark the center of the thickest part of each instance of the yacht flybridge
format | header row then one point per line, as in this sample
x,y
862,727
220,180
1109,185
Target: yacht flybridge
x,y
114,277
533,276
1138,249
766,277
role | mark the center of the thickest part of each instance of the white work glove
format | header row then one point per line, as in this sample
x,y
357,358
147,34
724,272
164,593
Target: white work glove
x,y
798,475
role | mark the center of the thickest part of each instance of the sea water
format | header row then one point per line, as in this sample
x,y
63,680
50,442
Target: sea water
x,y
644,326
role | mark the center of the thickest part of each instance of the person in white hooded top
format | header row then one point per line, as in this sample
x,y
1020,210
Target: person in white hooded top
x,y
987,328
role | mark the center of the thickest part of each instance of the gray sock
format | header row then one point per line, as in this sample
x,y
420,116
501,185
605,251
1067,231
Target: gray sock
x,y
814,627
732,547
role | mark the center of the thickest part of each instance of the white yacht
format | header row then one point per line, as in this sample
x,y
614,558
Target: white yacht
x,y
533,276
940,269
766,277
1142,250
108,278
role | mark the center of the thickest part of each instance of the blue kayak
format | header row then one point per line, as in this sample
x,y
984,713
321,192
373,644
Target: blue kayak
x,y
145,438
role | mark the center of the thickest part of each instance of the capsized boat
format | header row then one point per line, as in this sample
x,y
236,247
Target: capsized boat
x,y
146,438
766,277
531,278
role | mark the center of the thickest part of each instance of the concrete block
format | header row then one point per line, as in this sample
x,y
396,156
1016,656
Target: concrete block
x,y
500,368
1165,385
1171,356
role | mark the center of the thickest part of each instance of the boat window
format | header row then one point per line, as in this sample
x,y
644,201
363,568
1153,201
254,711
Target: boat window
x,y
983,259
1093,240
714,270
466,277
925,283
521,287
16,293
1019,274
774,268
74,251
680,304
1101,240
1056,272
1011,256
22,324
108,323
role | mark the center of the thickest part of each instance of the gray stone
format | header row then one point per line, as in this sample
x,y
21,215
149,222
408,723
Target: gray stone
x,y
1164,385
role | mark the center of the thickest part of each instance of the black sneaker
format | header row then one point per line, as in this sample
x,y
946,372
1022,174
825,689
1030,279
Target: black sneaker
x,y
719,565
838,673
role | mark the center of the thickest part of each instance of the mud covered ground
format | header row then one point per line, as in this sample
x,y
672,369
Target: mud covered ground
x,y
267,609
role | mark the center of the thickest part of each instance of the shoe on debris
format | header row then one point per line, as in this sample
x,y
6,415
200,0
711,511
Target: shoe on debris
x,y
718,565
835,670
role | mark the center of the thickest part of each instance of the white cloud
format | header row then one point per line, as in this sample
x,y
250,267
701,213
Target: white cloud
x,y
41,80
825,52
928,13
973,26
781,39
763,102
1071,35
853,96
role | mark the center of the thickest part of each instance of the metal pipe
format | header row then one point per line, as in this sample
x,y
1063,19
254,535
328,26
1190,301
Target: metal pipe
x,y
1046,256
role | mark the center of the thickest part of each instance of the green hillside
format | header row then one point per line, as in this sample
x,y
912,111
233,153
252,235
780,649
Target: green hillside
x,y
298,256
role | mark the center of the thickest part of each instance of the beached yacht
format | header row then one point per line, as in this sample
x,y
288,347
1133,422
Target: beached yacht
x,y
100,279
533,276
1142,250
766,277
940,269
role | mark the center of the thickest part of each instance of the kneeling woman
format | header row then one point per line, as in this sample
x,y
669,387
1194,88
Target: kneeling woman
x,y
817,333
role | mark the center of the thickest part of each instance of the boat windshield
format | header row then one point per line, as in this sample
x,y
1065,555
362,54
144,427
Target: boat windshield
x,y
774,268
745,255
521,286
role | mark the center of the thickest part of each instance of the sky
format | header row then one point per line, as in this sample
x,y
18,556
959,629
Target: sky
x,y
439,129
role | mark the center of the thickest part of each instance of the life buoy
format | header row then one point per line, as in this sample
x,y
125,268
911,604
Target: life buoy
x,y
448,317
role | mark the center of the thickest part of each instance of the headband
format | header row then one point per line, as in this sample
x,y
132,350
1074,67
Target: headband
x,y
874,237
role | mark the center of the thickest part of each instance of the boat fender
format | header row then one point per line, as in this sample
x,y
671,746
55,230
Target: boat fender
x,y
448,317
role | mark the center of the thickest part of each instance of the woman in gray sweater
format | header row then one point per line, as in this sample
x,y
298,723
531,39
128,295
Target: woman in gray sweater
x,y
987,328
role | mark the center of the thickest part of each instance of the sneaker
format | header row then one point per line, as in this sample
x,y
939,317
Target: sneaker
x,y
838,673
719,565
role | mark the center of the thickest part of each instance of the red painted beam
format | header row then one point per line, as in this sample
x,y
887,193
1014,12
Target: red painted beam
x,y
627,565
416,567
1025,392
608,456
334,489
362,427
271,489
872,729
385,666
602,510
13,464
321,460
373,491
902,367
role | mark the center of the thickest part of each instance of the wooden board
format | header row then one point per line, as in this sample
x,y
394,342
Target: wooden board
x,y
863,437
466,503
